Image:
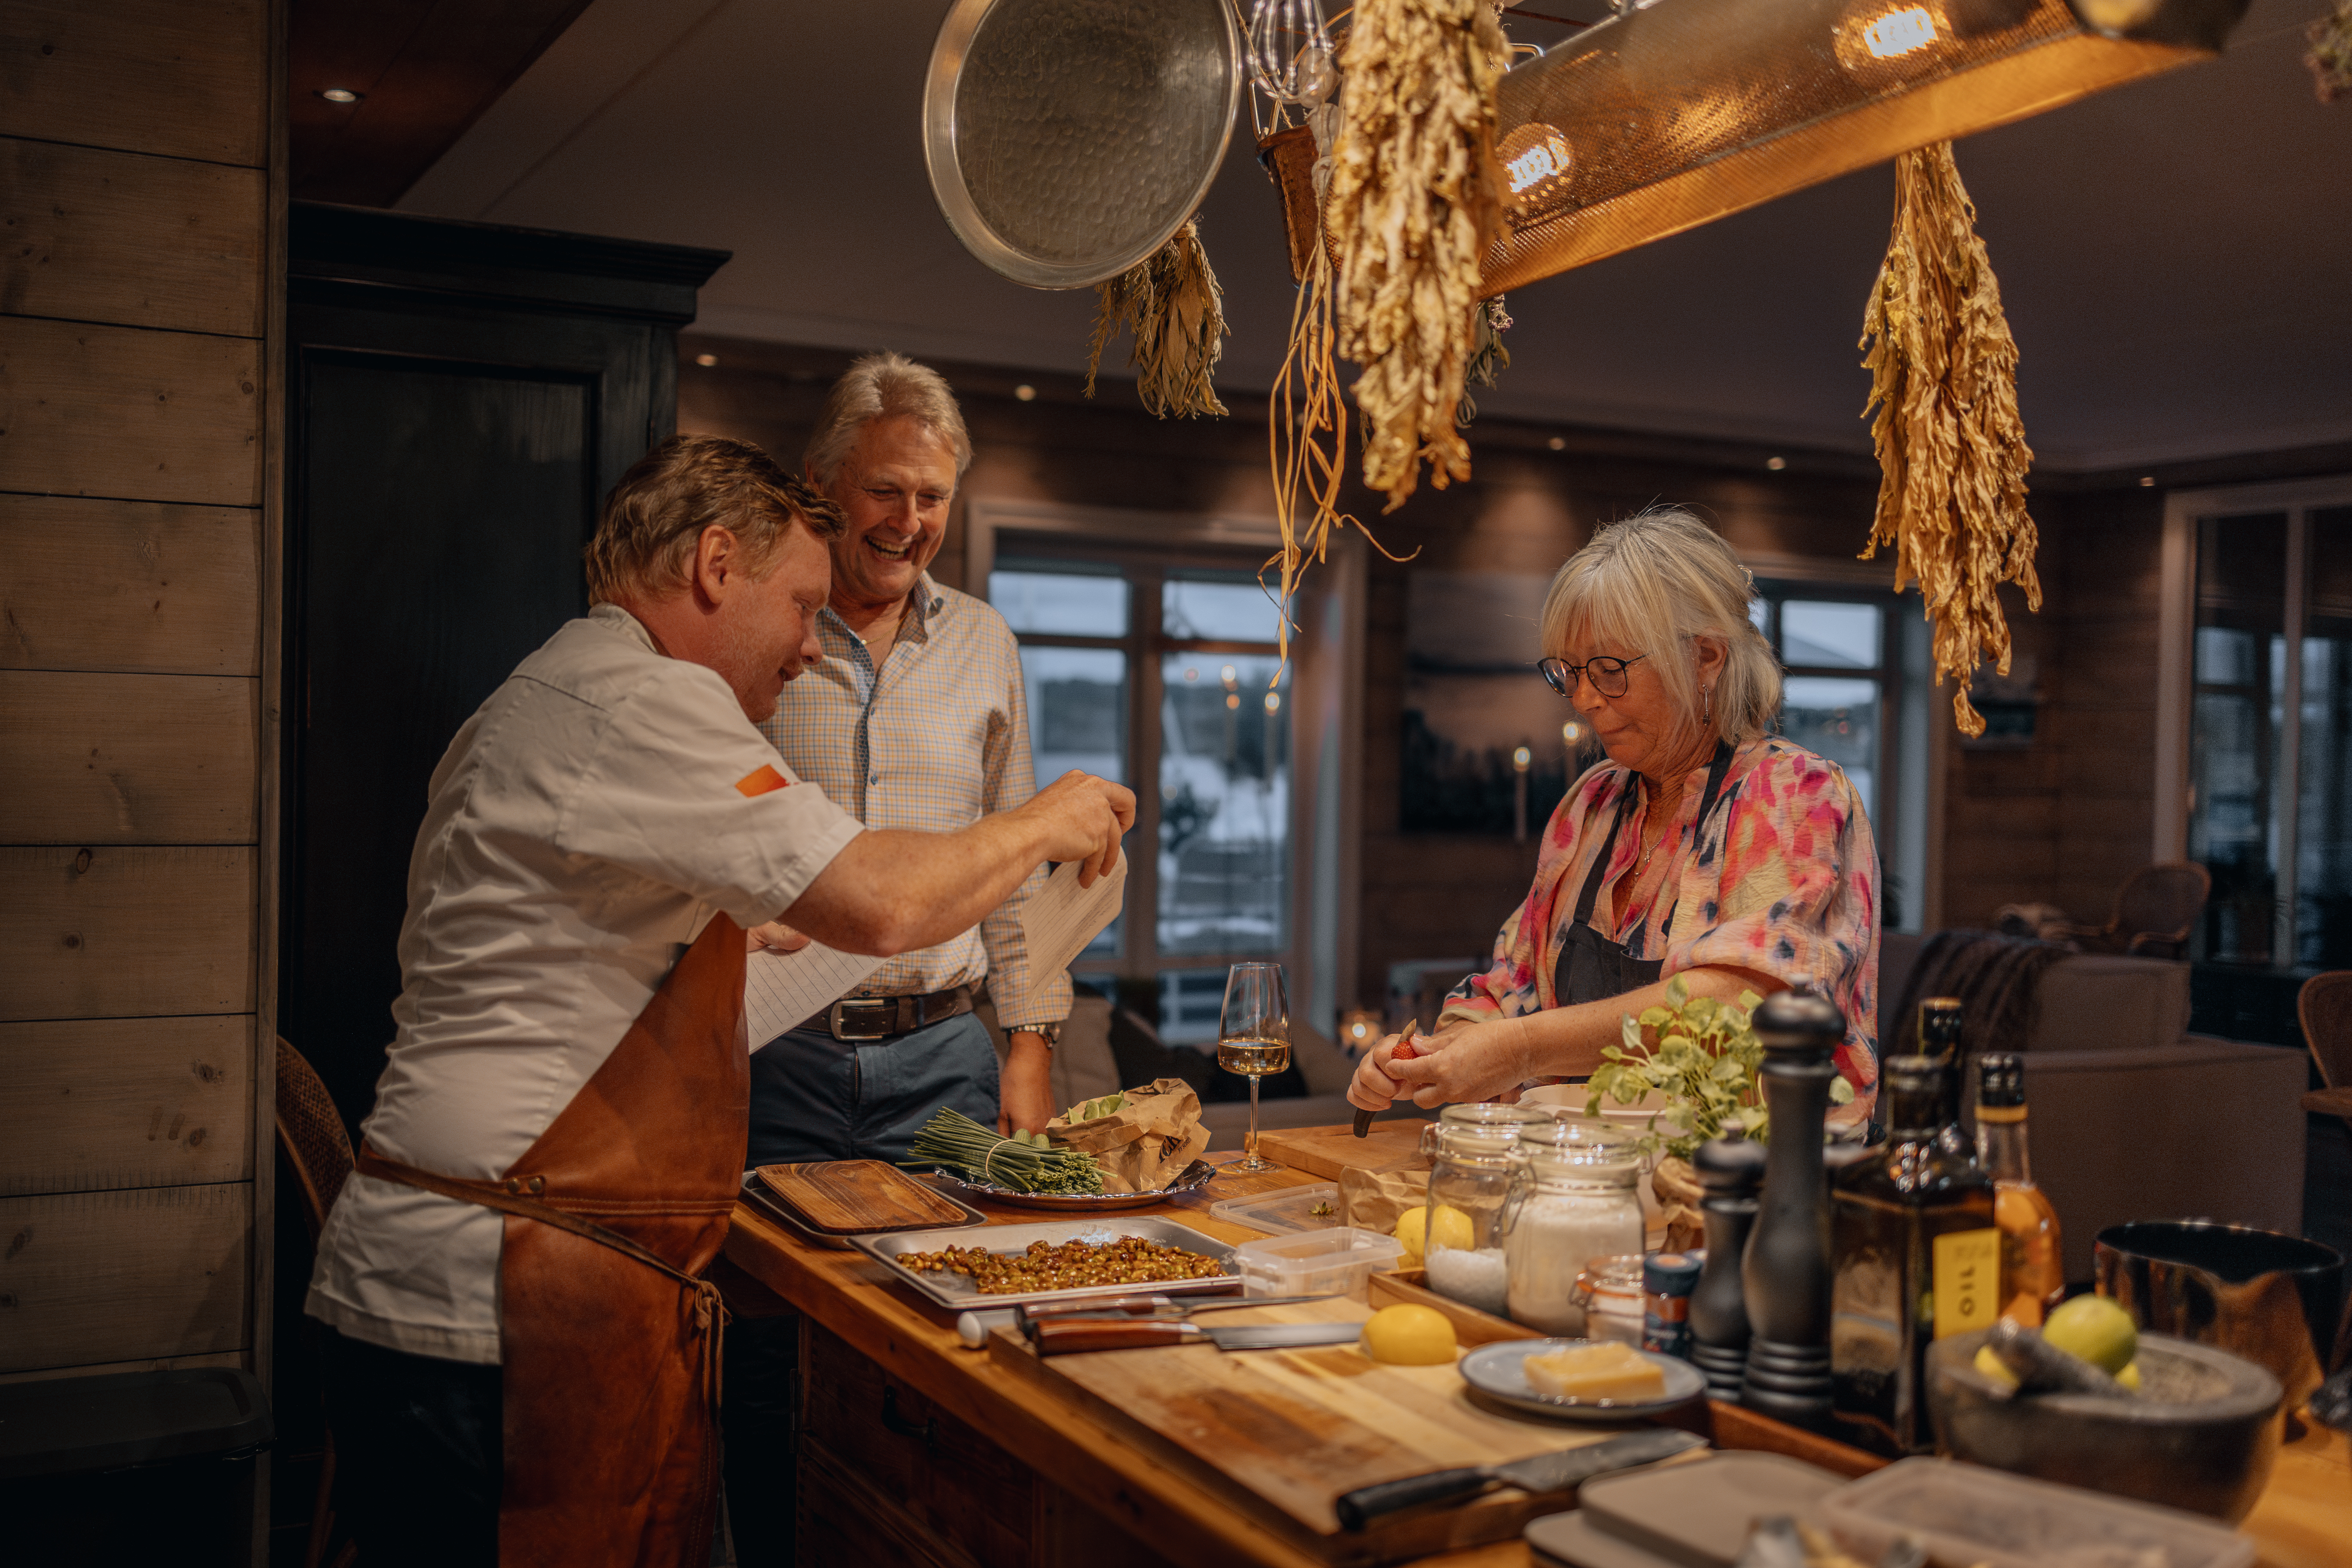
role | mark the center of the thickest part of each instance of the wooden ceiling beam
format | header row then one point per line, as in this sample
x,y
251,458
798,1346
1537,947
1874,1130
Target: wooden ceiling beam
x,y
425,71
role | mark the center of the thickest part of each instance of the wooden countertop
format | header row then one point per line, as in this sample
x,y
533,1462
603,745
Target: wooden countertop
x,y
2304,1521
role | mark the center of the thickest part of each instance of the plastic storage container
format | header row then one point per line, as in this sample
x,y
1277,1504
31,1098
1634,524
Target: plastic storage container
x,y
1289,1209
1962,1515
1338,1261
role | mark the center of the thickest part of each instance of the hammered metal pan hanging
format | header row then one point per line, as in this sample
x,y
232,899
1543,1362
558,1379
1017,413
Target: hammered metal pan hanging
x,y
1069,140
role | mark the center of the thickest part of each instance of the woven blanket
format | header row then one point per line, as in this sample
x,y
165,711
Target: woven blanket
x,y
1996,979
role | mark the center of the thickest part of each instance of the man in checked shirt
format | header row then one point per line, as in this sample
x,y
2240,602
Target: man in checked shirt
x,y
915,718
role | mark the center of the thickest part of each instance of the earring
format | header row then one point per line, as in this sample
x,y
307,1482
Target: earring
x,y
1707,696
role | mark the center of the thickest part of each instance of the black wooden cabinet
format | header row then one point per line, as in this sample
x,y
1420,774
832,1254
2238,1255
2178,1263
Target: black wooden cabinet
x,y
460,398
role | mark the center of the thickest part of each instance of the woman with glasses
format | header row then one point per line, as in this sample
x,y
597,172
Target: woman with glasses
x,y
1705,847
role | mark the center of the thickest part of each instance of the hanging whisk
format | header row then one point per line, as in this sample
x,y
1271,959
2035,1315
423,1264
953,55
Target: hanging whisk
x,y
1290,53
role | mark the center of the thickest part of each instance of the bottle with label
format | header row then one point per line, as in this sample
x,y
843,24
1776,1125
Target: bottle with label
x,y
1916,1257
2033,1267
1940,1041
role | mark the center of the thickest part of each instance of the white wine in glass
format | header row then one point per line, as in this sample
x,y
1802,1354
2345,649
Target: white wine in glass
x,y
1254,1039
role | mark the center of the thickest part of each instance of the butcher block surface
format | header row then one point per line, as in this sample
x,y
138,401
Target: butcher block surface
x,y
1283,1433
1327,1152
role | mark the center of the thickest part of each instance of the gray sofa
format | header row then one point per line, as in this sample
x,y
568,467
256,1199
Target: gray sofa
x,y
2133,1116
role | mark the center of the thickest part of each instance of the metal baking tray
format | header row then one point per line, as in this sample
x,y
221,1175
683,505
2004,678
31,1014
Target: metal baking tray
x,y
756,1194
957,1294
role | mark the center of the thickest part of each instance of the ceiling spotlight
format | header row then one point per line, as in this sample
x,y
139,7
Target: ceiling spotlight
x,y
1025,392
706,361
2147,481
1558,443
340,95
1775,464
1521,758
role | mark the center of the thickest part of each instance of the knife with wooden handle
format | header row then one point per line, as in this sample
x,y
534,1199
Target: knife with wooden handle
x,y
1545,1473
1064,1336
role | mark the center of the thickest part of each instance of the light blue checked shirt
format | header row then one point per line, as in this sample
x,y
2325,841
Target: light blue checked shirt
x,y
938,741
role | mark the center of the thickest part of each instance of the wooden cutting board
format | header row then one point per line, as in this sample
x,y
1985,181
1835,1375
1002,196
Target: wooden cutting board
x,y
848,1197
1282,1433
1326,1152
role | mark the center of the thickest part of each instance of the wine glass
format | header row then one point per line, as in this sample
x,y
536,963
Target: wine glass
x,y
1254,1039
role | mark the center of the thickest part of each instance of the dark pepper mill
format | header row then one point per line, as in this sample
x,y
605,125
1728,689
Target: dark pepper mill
x,y
1730,1170
1785,1272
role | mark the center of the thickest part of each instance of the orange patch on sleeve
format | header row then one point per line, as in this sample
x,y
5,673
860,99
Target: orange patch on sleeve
x,y
760,782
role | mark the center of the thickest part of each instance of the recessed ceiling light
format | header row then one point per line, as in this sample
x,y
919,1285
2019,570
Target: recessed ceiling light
x,y
1025,392
706,361
2147,481
1558,443
340,95
1775,464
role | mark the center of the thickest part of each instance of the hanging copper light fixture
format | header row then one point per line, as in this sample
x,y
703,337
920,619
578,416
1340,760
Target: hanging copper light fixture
x,y
1673,113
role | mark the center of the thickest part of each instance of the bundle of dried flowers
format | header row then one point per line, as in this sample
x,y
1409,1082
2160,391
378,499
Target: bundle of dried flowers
x,y
1413,204
1170,302
1951,452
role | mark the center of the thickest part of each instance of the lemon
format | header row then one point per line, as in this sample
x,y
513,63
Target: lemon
x,y
1992,1366
2129,1377
2095,1328
1453,1229
1409,1336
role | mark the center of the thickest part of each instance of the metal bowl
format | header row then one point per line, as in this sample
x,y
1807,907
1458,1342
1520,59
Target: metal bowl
x,y
2200,1435
1193,1178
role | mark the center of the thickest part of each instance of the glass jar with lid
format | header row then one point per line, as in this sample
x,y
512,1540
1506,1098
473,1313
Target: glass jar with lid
x,y
1473,1152
1574,1199
1610,1291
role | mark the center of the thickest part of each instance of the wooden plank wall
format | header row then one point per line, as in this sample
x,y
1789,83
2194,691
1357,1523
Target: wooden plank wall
x,y
142,194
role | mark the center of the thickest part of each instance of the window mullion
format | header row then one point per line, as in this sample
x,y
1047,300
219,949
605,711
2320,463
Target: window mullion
x,y
2287,789
1141,959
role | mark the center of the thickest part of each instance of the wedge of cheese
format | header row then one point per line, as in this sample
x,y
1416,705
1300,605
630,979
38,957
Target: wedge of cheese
x,y
1604,1370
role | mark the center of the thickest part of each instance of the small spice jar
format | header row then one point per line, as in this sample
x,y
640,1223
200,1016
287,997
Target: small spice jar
x,y
1610,1290
1473,1152
1667,1280
1573,1201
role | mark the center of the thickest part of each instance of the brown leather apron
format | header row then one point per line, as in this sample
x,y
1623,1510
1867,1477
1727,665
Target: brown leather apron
x,y
610,1337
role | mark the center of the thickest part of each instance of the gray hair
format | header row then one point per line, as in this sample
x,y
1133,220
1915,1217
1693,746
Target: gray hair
x,y
881,386
1652,583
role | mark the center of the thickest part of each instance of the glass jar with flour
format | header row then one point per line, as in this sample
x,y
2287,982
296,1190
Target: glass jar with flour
x,y
1473,1152
1571,1203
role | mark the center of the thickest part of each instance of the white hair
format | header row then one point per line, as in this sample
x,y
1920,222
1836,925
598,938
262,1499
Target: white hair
x,y
1652,583
882,386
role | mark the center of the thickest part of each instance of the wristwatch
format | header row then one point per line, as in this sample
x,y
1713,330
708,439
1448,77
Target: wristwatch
x,y
1052,1033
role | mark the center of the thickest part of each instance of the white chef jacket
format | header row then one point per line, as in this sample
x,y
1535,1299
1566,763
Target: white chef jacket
x,y
581,829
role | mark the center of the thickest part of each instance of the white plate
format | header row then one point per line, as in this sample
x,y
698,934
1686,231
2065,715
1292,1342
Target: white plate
x,y
1494,1371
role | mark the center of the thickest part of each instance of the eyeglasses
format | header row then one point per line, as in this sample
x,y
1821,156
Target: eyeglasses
x,y
1607,675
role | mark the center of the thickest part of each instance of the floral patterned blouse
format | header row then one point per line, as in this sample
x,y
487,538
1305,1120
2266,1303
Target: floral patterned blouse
x,y
1784,882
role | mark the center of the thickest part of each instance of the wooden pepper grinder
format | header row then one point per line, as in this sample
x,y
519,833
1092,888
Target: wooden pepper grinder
x,y
1730,1170
1785,1272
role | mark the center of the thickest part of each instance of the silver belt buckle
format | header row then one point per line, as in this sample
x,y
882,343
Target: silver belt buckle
x,y
885,1008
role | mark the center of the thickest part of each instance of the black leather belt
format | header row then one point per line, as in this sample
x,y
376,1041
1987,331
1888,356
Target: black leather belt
x,y
865,1019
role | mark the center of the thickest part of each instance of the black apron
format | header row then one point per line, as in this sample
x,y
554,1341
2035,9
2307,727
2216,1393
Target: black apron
x,y
1591,968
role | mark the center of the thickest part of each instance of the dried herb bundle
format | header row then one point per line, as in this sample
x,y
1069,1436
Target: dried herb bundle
x,y
1170,302
2330,58
1307,419
1414,201
1951,452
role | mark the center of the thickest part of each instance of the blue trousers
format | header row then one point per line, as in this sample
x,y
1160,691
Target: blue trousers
x,y
816,1098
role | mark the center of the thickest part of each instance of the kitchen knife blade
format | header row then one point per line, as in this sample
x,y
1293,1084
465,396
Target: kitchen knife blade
x,y
1553,1472
1158,1306
1060,1336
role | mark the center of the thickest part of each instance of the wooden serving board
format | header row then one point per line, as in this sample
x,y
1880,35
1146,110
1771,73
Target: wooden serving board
x,y
1282,1433
848,1197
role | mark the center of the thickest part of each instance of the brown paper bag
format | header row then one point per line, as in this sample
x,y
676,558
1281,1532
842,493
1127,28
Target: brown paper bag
x,y
1373,1199
1679,1193
1146,1141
